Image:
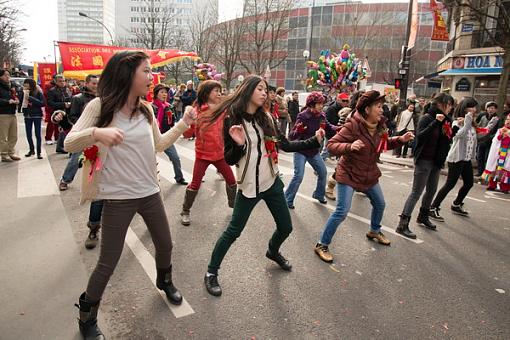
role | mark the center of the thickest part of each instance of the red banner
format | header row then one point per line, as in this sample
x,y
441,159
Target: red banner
x,y
440,31
156,79
46,72
78,60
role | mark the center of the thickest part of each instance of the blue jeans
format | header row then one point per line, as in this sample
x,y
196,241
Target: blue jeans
x,y
96,209
172,154
325,152
71,168
37,129
343,206
299,170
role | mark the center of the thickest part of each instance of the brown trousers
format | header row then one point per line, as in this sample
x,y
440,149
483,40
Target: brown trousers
x,y
8,134
117,215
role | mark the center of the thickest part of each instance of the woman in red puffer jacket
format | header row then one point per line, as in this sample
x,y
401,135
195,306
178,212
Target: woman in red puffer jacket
x,y
208,148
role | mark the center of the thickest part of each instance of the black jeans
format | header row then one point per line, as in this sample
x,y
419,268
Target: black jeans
x,y
36,123
462,169
426,177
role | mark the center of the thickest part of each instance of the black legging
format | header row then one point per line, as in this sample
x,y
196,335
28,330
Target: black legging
x,y
462,169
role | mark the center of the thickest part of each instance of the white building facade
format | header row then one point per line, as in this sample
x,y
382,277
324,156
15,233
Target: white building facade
x,y
75,28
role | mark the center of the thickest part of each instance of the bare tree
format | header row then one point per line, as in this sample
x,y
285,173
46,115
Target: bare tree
x,y
205,16
227,39
177,69
264,33
10,42
492,18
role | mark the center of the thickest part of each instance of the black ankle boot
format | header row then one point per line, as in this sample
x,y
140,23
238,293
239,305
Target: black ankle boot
x,y
164,283
88,319
423,218
403,227
30,153
280,260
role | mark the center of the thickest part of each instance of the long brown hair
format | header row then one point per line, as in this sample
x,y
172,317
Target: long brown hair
x,y
237,103
115,84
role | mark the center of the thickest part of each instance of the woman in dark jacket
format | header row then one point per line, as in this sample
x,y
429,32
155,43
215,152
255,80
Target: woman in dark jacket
x,y
32,102
359,143
433,137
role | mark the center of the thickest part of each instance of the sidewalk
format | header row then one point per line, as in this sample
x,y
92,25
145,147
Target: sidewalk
x,y
42,274
388,158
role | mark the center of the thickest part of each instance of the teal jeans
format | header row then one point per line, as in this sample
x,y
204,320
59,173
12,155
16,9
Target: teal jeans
x,y
275,201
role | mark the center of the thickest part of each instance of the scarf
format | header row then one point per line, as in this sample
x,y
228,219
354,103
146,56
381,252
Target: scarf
x,y
161,111
371,127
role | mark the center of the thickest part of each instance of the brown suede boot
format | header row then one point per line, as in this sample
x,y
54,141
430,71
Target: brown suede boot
x,y
189,198
330,188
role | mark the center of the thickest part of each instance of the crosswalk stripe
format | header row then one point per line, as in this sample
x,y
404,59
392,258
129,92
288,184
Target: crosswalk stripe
x,y
147,262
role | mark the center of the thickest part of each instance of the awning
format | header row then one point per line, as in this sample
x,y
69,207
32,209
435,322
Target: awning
x,y
429,76
472,71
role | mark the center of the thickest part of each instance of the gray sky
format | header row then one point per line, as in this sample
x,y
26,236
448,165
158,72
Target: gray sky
x,y
40,20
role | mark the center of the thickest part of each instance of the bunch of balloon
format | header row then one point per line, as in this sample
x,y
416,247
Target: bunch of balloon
x,y
206,71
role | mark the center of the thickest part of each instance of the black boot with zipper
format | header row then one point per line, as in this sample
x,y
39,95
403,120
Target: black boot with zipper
x,y
88,319
164,283
403,227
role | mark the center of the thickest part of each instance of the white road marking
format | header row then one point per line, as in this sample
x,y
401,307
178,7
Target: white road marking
x,y
500,291
362,219
489,194
147,261
476,199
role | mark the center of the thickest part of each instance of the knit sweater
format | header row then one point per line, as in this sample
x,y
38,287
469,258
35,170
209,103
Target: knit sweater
x,y
80,137
464,142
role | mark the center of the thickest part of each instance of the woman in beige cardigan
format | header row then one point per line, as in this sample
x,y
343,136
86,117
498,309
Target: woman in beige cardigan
x,y
120,138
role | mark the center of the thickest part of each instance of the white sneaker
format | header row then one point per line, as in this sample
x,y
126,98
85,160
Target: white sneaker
x,y
49,142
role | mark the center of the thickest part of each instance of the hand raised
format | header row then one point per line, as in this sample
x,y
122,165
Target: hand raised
x,y
440,117
357,145
190,115
319,134
406,137
109,136
237,134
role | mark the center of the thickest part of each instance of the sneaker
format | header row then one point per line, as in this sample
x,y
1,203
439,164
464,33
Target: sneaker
x,y
63,186
49,142
434,214
185,219
459,209
379,237
212,285
323,252
282,261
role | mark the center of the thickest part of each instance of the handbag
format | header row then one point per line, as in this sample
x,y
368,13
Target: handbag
x,y
404,130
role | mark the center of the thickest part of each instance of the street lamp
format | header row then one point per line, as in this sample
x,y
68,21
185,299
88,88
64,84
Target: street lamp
x,y
99,22
306,54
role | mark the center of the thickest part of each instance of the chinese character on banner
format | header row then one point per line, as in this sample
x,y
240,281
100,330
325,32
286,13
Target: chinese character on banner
x,y
46,71
76,61
97,61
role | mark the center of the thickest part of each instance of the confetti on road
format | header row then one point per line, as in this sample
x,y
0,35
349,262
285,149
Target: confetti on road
x,y
500,291
399,280
358,272
445,325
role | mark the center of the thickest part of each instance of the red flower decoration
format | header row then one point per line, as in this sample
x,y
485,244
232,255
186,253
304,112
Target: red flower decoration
x,y
447,130
270,144
383,144
91,153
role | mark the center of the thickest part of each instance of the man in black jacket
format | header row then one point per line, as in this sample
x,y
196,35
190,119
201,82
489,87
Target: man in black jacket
x,y
342,100
59,98
8,122
293,106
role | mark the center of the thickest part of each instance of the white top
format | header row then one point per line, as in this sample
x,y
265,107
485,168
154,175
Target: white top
x,y
129,171
464,142
256,154
406,116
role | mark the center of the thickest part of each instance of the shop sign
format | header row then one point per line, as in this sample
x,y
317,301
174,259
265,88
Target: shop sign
x,y
483,61
467,28
463,85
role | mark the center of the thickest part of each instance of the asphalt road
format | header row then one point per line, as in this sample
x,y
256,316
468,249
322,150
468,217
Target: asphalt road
x,y
452,283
